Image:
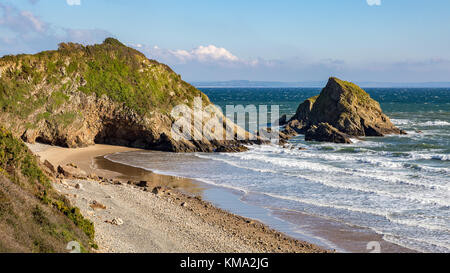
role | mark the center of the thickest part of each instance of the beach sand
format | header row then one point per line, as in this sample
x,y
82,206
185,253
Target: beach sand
x,y
175,220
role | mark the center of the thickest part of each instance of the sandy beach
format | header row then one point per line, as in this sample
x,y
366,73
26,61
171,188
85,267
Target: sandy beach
x,y
129,218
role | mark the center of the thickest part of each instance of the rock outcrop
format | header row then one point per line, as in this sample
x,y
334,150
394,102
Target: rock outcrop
x,y
107,94
282,120
342,110
72,172
326,133
301,119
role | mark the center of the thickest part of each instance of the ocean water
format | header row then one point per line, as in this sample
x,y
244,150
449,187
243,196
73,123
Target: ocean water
x,y
397,186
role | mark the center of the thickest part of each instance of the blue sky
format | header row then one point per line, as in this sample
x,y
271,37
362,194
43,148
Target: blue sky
x,y
284,40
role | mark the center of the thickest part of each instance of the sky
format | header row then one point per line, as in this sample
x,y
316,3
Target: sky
x,y
283,40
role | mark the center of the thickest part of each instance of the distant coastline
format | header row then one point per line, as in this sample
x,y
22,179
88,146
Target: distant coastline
x,y
311,84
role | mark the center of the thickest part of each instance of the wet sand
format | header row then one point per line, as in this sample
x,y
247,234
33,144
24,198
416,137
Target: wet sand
x,y
174,220
341,236
326,233
130,173
83,157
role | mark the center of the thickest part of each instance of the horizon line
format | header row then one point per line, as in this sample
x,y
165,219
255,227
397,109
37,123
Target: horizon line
x,y
314,84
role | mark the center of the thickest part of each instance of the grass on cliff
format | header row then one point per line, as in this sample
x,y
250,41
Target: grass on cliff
x,y
33,217
353,91
126,75
351,95
44,82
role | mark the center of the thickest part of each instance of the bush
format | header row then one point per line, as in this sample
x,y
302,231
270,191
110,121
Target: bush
x,y
20,166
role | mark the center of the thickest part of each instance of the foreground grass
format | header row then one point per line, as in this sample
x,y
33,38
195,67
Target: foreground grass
x,y
33,216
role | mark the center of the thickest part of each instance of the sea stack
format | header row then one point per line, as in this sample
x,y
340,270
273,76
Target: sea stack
x,y
341,111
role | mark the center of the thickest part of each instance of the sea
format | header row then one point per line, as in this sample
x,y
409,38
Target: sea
x,y
396,186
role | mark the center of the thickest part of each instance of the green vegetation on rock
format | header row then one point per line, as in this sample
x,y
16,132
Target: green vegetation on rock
x,y
106,93
353,92
33,216
19,164
123,74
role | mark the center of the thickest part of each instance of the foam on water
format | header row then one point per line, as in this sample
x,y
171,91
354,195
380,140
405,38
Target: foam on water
x,y
370,187
435,123
398,186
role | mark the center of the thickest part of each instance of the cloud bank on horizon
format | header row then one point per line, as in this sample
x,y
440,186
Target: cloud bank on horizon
x,y
213,63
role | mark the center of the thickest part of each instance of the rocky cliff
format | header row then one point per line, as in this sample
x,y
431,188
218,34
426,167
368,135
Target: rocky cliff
x,y
108,93
33,217
342,110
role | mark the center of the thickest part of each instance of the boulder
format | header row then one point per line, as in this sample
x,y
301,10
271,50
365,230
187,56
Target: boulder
x,y
97,205
231,149
93,176
283,120
295,127
115,222
49,165
157,190
324,132
269,135
142,184
71,172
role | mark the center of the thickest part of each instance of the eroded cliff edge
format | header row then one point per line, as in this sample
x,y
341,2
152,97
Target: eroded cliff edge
x,y
107,93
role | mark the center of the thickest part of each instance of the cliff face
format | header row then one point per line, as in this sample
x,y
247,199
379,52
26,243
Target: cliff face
x,y
345,107
33,217
108,93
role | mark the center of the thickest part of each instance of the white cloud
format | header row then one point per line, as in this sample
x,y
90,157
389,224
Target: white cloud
x,y
374,2
210,53
20,21
73,2
214,53
35,22
204,57
215,63
27,33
